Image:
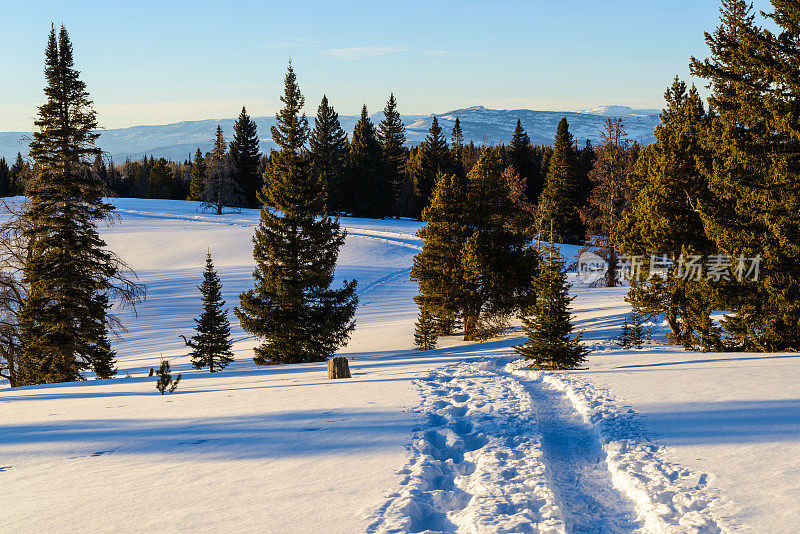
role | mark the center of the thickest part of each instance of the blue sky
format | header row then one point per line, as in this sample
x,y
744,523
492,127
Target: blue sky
x,y
153,62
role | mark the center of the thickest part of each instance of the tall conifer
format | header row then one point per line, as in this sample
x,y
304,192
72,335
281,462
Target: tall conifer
x,y
434,158
197,187
64,317
293,311
246,159
369,192
329,152
391,134
560,201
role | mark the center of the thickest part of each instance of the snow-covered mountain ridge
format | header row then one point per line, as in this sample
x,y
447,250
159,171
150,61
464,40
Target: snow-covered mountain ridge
x,y
179,140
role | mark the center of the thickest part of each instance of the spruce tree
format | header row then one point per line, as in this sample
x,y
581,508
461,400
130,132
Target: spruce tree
x,y
425,329
63,318
392,137
246,159
547,322
369,193
625,334
211,344
293,311
434,158
5,182
457,149
197,187
520,157
221,190
636,329
329,153
559,203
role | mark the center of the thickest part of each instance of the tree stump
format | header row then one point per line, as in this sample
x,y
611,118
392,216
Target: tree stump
x,y
338,367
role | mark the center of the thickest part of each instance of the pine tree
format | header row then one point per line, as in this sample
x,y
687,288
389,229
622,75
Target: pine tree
x,y
19,176
5,182
559,202
221,189
497,259
293,311
211,345
246,159
457,149
329,153
165,383
667,188
392,137
434,159
425,329
520,157
625,334
197,187
63,318
752,171
369,193
636,330
437,268
547,322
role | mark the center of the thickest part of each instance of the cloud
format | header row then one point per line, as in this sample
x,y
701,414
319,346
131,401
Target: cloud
x,y
363,52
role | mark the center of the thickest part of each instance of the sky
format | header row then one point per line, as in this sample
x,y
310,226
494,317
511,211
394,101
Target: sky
x,y
157,62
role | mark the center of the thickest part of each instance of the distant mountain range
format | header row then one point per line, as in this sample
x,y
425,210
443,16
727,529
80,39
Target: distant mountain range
x,y
179,140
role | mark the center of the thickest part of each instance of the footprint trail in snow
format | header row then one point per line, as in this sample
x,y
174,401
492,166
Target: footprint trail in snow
x,y
504,450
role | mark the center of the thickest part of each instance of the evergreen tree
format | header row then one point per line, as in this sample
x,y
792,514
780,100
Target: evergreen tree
x,y
437,268
559,203
246,158
293,311
636,332
425,329
165,383
19,175
5,182
496,259
63,318
520,157
457,149
369,193
211,345
625,334
547,322
391,134
753,170
197,187
221,189
434,158
329,153
667,187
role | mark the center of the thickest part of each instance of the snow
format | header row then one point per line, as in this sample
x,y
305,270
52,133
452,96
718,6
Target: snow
x,y
459,439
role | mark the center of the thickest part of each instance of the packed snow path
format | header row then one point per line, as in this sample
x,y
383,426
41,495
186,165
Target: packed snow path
x,y
503,449
575,461
496,454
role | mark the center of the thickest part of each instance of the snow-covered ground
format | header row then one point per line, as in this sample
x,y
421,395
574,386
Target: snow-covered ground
x,y
459,439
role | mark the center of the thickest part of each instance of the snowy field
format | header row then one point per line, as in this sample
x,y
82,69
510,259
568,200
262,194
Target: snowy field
x,y
460,439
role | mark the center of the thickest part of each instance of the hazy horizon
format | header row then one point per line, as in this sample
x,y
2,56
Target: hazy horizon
x,y
171,62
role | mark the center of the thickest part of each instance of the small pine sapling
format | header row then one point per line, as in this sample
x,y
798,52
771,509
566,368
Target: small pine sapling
x,y
211,344
625,336
636,338
165,383
547,322
426,329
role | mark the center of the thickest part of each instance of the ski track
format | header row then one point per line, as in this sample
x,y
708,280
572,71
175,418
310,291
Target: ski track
x,y
502,449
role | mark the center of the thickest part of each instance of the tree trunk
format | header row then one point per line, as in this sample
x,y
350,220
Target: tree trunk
x,y
338,368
